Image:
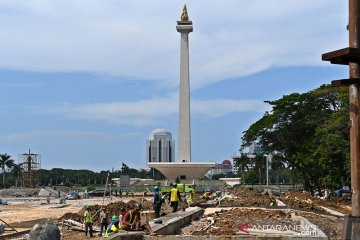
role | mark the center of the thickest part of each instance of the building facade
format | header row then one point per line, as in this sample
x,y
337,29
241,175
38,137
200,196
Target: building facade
x,y
160,147
253,151
222,168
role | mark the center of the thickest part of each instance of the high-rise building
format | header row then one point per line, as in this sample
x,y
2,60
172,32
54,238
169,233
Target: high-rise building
x,y
160,147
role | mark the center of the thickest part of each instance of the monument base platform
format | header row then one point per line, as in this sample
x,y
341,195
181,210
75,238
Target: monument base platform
x,y
183,170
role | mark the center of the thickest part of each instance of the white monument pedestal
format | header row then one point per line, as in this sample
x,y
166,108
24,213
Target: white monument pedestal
x,y
186,170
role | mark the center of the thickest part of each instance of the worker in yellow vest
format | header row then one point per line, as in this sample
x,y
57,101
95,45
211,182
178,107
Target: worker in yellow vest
x,y
88,220
175,198
131,220
190,197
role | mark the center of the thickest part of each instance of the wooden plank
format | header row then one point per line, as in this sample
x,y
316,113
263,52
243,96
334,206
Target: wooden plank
x,y
345,82
343,56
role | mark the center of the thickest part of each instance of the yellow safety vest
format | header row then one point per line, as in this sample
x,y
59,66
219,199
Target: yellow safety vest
x,y
174,195
131,220
88,217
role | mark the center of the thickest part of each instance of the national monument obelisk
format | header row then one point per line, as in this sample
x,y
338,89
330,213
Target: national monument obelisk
x,y
183,168
184,27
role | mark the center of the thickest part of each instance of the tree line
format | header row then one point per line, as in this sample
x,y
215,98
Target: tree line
x,y
68,177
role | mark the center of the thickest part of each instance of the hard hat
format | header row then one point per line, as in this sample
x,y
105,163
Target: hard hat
x,y
156,188
114,218
138,206
174,184
87,206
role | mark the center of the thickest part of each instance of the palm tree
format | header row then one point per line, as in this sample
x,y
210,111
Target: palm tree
x,y
243,164
16,172
277,164
5,161
260,162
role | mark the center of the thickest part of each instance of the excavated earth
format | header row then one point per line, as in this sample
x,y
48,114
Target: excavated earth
x,y
247,197
225,223
297,200
228,222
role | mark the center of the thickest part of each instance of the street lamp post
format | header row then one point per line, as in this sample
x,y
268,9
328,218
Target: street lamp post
x,y
268,158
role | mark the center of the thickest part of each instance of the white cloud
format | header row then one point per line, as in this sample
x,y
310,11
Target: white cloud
x,y
60,136
152,111
138,38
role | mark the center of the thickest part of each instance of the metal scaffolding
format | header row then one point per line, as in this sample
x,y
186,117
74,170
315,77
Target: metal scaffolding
x,y
29,162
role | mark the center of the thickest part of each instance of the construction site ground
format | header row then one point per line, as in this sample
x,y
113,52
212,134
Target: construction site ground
x,y
23,214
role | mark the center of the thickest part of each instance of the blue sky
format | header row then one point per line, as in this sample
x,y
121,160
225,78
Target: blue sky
x,y
83,83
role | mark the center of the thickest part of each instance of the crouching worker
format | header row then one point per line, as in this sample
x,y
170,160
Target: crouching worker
x,y
113,227
132,221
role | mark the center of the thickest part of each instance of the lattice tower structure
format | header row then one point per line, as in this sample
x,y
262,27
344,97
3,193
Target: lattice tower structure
x,y
29,163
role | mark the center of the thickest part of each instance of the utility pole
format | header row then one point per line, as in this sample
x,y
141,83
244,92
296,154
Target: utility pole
x,y
351,56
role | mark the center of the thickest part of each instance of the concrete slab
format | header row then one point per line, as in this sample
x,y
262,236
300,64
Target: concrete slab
x,y
174,221
333,212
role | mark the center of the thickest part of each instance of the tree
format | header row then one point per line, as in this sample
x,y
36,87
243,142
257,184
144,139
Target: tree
x,y
277,163
310,131
243,165
5,161
259,162
16,172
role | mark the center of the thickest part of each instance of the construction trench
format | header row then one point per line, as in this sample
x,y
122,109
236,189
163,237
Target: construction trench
x,y
242,213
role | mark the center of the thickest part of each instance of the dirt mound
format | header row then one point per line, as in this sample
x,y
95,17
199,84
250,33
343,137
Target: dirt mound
x,y
304,201
247,197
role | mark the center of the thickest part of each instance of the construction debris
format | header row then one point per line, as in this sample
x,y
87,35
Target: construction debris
x,y
74,225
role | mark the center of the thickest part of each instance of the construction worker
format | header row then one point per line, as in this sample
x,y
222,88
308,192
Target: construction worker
x,y
190,197
113,226
175,198
88,220
121,216
103,221
206,196
131,219
157,201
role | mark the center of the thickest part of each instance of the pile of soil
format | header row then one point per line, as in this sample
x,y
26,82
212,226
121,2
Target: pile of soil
x,y
247,197
335,204
297,200
228,222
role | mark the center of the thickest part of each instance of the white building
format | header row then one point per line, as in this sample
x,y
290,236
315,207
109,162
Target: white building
x,y
160,147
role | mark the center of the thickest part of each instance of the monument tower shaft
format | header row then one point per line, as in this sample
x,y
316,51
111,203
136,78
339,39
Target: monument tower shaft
x,y
184,137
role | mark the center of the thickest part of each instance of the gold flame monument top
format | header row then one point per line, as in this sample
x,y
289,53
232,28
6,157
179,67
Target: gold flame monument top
x,y
184,15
